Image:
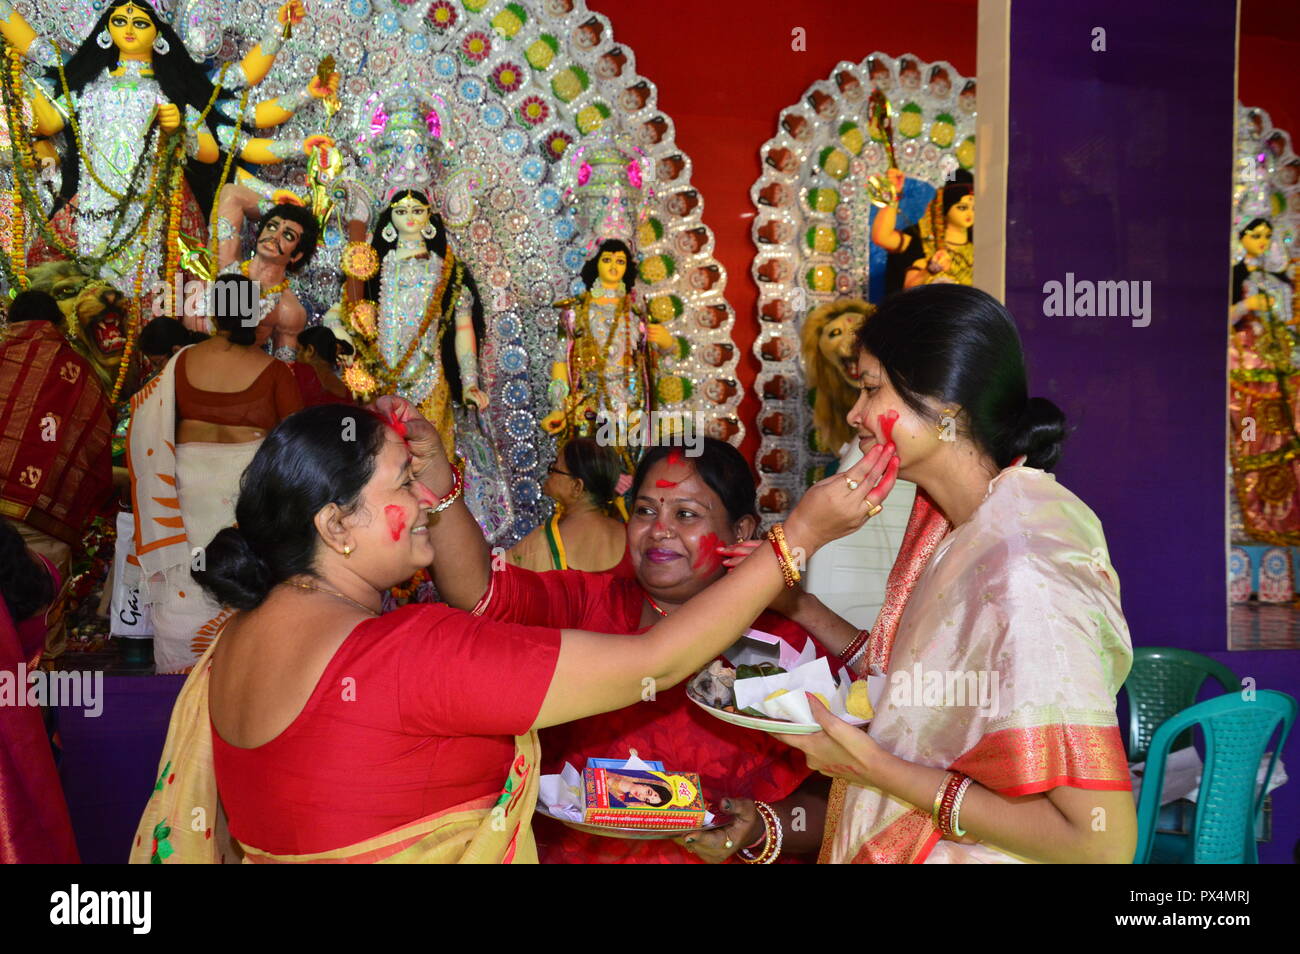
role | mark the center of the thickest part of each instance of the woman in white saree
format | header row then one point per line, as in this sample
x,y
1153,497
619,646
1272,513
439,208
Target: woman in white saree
x,y
194,428
1002,635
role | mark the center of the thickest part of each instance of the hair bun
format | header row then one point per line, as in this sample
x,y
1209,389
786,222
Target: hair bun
x,y
1039,434
235,575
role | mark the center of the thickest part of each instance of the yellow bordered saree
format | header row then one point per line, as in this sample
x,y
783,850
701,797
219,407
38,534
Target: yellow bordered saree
x,y
1004,644
184,823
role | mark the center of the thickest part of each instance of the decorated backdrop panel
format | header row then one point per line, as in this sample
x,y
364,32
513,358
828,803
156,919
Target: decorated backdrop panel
x,y
812,228
508,92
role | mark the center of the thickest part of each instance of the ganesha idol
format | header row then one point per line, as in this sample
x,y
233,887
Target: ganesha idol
x,y
848,574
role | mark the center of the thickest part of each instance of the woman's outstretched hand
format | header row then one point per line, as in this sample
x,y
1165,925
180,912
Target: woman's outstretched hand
x,y
837,505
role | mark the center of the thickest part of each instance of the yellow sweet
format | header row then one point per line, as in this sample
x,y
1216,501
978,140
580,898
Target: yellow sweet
x,y
858,704
779,692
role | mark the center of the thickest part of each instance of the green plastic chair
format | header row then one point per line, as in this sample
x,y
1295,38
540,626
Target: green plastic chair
x,y
1162,683
1237,733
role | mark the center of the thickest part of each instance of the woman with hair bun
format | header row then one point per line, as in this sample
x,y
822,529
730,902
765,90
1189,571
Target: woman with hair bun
x,y
324,732
194,428
586,532
1002,633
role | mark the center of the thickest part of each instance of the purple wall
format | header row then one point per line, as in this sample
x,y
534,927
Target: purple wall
x,y
1121,169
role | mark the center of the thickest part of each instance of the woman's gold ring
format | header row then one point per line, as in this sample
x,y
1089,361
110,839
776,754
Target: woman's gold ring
x,y
853,484
874,509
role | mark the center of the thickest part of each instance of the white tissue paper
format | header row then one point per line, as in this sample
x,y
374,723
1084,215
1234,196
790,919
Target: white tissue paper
x,y
562,794
757,647
792,705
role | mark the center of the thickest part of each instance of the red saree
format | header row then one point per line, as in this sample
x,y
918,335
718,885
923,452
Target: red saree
x,y
34,823
56,454
730,760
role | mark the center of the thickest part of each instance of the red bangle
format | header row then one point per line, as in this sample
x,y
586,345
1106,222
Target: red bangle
x,y
852,649
457,486
956,782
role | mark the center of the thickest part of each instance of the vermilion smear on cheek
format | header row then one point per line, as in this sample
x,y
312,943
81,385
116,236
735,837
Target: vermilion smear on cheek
x,y
886,422
709,557
396,520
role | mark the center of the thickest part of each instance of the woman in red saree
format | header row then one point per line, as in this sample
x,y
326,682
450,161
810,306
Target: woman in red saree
x,y
684,510
313,730
1002,634
34,823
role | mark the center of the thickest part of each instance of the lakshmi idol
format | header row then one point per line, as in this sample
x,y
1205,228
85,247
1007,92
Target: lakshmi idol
x,y
130,70
602,367
418,330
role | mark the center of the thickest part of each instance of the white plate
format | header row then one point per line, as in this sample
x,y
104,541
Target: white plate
x,y
754,722
634,834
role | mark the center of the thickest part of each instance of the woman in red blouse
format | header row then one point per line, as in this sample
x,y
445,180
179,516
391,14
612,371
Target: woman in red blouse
x,y
334,734
684,510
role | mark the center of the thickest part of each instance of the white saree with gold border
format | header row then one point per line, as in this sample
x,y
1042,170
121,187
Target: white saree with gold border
x,y
1004,651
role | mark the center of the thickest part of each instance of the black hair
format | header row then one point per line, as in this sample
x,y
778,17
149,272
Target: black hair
x,y
591,270
719,465
25,585
438,246
35,306
665,795
183,82
345,346
163,334
963,184
314,457
598,467
955,344
1253,223
322,341
236,307
301,217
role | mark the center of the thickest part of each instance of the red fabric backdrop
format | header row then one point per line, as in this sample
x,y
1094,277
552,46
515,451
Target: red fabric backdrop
x,y
724,71
1268,55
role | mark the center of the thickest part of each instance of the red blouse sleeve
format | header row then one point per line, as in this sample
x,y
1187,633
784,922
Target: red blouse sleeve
x,y
287,396
464,675
565,599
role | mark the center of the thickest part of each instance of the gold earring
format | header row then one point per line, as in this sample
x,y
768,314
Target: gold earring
x,y
347,552
946,417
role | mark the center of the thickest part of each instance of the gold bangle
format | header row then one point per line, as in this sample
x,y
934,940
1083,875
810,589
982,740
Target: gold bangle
x,y
788,567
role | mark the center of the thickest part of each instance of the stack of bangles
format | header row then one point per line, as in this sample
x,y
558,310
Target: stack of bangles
x,y
457,486
947,803
771,839
851,653
789,571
